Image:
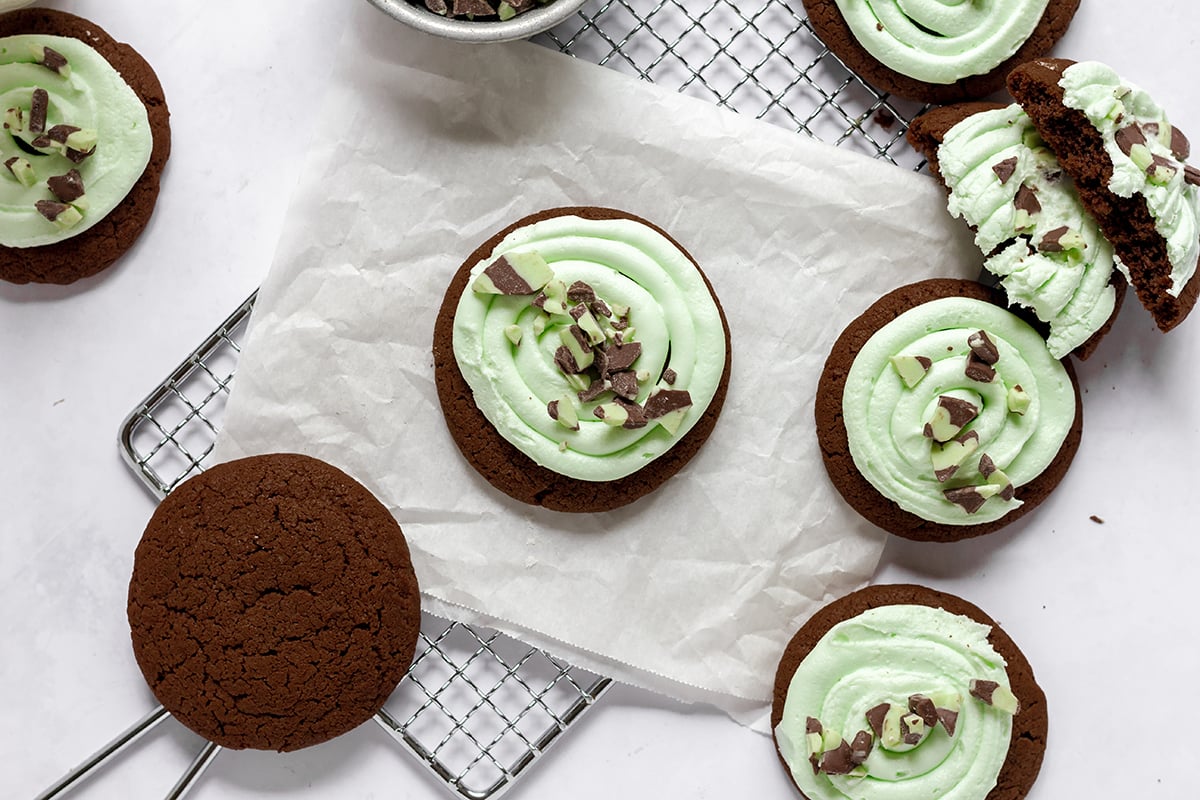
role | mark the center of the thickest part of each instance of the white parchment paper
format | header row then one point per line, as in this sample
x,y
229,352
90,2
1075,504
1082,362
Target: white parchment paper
x,y
423,150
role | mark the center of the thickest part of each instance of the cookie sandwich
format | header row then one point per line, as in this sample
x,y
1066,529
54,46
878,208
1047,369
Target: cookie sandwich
x,y
900,691
939,52
273,604
581,358
1130,167
942,415
1040,243
85,138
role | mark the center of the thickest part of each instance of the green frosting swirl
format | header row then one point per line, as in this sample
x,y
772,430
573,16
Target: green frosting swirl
x,y
1068,288
942,41
675,316
888,654
1112,105
92,96
885,418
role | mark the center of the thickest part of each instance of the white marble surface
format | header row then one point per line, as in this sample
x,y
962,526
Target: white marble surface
x,y
1103,611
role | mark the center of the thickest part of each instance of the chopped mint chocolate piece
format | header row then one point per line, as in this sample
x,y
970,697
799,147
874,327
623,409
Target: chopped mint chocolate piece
x,y
949,720
437,7
53,60
664,401
978,370
1061,240
14,120
1018,400
912,728
67,188
1129,137
539,324
624,384
587,323
813,740
1161,170
1026,200
576,341
563,412
39,104
473,8
566,362
994,694
1191,175
22,170
948,457
982,345
600,308
1005,169
923,707
838,761
1141,156
580,292
996,477
860,748
82,140
1181,148
578,381
875,716
612,414
617,357
513,333
505,11
514,274
669,377
970,498
62,215
911,369
593,390
950,415
901,730
636,416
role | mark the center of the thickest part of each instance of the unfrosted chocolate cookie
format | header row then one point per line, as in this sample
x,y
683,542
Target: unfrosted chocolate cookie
x,y
906,35
1021,171
89,252
1027,742
1152,159
606,383
273,604
958,420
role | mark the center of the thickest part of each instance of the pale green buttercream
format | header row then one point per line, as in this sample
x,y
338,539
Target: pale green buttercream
x,y
93,97
884,419
942,41
887,654
1071,291
1111,104
627,263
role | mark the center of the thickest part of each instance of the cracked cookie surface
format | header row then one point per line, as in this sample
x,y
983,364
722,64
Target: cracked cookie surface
x,y
273,604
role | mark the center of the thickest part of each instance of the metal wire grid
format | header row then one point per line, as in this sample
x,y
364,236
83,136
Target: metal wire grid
x,y
478,707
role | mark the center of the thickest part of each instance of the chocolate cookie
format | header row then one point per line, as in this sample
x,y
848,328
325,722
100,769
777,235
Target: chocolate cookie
x,y
512,471
832,27
1019,171
99,246
1127,221
1027,743
834,441
273,604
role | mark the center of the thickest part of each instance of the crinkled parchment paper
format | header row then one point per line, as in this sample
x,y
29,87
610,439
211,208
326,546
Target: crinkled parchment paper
x,y
425,148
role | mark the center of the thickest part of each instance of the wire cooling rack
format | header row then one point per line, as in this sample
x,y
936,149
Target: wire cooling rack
x,y
478,707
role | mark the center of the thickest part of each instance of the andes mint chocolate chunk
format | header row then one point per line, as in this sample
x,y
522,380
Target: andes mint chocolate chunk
x,y
437,6
996,477
978,370
1161,170
565,361
39,104
1005,169
54,61
587,323
911,369
875,716
580,292
912,728
14,120
635,415
1026,200
986,465
948,457
982,345
1018,400
995,695
576,342
563,412
838,761
949,417
813,738
1060,240
923,707
949,720
59,133
592,391
62,215
22,170
860,748
624,384
663,401
618,357
669,377
514,274
1191,175
969,497
1181,148
69,187
600,308
1129,137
